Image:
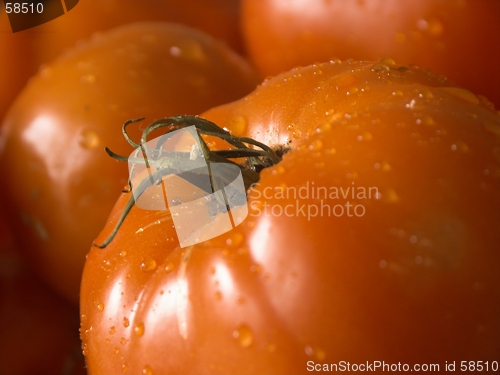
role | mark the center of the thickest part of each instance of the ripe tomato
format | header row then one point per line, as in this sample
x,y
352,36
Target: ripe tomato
x,y
15,63
219,18
39,329
375,238
456,38
58,183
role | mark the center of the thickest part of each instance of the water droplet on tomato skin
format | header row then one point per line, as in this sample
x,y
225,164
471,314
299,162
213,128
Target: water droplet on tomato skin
x,y
126,322
88,139
149,264
243,335
139,330
238,125
316,145
380,68
147,370
387,61
112,330
123,340
100,306
170,267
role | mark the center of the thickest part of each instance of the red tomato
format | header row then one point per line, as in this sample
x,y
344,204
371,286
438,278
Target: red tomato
x,y
374,239
457,38
219,18
58,183
15,63
39,329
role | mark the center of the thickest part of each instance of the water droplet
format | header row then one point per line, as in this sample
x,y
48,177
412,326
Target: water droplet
x,y
123,340
243,335
397,93
238,125
126,322
492,127
88,139
316,145
88,79
352,90
116,350
106,341
426,94
123,254
147,370
189,50
462,94
387,61
112,330
432,27
380,68
100,306
340,81
235,239
149,264
170,266
139,329
124,367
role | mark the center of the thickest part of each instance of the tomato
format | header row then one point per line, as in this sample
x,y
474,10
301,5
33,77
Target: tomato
x,y
374,239
219,18
39,329
456,38
21,54
15,63
58,183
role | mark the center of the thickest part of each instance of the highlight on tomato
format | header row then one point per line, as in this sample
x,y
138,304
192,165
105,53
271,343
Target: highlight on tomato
x,y
456,38
58,184
373,239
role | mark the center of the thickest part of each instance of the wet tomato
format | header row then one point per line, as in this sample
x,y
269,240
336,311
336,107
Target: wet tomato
x,y
58,183
374,239
457,38
39,329
219,18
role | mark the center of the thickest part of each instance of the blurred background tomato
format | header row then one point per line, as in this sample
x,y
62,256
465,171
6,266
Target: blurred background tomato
x,y
456,38
22,53
39,331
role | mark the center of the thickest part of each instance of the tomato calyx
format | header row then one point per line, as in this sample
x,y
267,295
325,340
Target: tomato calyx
x,y
159,167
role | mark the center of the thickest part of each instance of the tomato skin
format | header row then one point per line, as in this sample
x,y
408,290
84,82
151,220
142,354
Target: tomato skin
x,y
15,63
59,184
412,280
459,39
219,18
39,329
